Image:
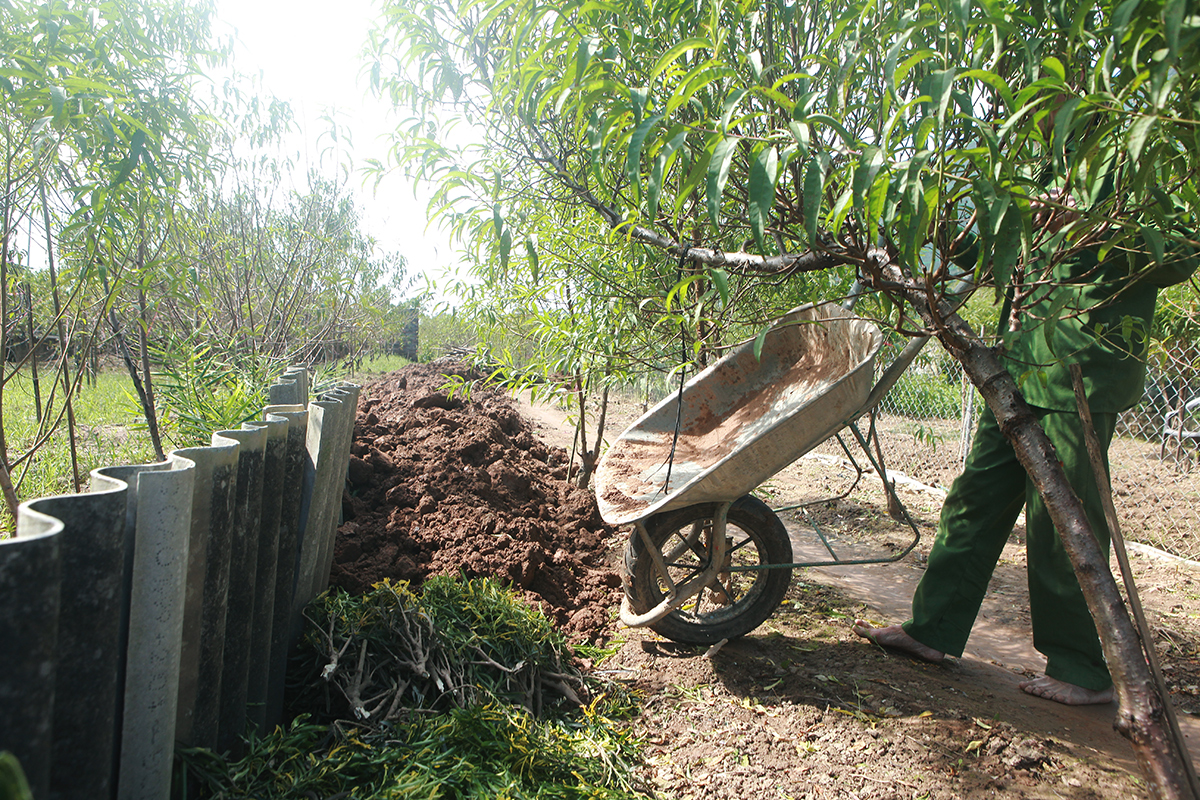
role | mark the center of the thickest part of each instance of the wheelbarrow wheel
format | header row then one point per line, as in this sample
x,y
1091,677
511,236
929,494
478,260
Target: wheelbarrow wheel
x,y
740,600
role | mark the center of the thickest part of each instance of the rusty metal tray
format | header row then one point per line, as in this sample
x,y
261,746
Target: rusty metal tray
x,y
744,418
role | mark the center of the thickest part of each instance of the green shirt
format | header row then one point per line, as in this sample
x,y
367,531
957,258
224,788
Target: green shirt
x,y
1105,312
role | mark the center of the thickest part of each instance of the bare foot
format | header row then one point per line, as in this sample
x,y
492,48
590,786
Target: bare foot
x,y
895,637
1066,693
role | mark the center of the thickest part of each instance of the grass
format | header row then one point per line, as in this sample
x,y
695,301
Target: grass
x,y
109,430
370,367
378,365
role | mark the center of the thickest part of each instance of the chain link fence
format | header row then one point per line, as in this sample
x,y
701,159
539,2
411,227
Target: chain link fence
x,y
926,423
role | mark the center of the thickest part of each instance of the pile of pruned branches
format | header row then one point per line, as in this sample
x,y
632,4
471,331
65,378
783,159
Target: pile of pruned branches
x,y
460,691
459,643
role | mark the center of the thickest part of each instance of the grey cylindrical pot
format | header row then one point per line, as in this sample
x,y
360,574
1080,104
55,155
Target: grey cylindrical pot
x,y
291,388
202,650
347,394
87,683
295,458
158,522
322,441
243,570
30,580
274,474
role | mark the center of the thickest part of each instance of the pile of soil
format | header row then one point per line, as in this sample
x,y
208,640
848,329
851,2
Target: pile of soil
x,y
459,485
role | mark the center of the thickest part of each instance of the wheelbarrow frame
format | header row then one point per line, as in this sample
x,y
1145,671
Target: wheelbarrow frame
x,y
716,545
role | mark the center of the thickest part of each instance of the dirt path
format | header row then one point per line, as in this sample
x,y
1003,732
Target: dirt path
x,y
959,730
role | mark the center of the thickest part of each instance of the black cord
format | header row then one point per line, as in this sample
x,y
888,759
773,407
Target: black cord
x,y
679,401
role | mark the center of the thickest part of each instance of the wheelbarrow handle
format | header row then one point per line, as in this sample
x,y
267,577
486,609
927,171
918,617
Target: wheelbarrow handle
x,y
960,290
892,374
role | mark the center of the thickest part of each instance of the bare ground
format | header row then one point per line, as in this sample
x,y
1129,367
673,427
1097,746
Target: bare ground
x,y
802,708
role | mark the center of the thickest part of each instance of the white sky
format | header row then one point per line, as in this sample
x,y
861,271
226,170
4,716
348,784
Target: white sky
x,y
307,52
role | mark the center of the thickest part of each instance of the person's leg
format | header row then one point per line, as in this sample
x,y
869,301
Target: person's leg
x,y
1063,629
977,517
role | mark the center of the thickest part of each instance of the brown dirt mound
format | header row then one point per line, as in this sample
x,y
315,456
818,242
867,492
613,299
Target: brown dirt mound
x,y
456,485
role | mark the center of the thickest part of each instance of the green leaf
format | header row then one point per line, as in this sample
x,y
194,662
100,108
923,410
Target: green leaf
x,y
756,67
800,133
889,63
718,174
1139,131
731,103
1064,118
678,49
1173,16
1154,240
869,165
58,105
1052,64
825,119
1121,17
758,343
720,279
531,251
764,171
679,290
654,187
910,62
941,83
696,80
505,247
875,205
993,80
962,11
13,783
1008,245
583,57
840,209
696,174
814,186
633,161
920,141
136,148
638,97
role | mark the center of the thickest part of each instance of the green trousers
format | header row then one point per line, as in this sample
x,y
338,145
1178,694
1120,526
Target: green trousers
x,y
977,518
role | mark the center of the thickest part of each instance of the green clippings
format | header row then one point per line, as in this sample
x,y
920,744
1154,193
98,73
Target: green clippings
x,y
13,785
461,691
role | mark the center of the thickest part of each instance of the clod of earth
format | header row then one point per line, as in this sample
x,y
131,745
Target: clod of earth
x,y
442,485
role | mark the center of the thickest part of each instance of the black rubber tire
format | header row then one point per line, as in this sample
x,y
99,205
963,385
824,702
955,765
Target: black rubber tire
x,y
758,538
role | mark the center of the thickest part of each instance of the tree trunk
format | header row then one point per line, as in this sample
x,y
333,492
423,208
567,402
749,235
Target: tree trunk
x,y
5,223
143,334
114,322
33,362
587,459
602,420
1140,711
63,344
1145,634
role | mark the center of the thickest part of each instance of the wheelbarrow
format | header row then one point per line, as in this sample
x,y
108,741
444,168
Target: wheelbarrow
x,y
706,560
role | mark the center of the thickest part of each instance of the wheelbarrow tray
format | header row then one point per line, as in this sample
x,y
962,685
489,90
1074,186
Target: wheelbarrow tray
x,y
744,418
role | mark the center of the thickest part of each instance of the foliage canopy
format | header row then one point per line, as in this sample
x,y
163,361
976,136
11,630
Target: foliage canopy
x,y
684,163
